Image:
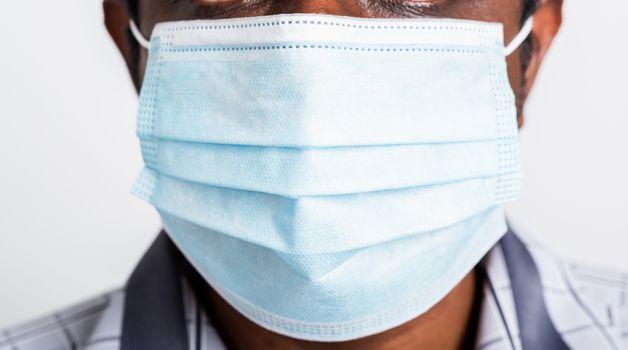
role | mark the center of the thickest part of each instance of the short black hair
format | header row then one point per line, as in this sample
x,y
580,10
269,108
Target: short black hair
x,y
529,6
132,6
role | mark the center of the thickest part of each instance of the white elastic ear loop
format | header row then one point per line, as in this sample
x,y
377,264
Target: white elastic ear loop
x,y
138,35
524,33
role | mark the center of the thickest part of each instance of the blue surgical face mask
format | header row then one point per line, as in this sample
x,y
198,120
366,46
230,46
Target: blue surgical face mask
x,y
330,177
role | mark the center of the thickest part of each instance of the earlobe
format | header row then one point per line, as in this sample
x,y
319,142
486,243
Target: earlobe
x,y
117,22
547,22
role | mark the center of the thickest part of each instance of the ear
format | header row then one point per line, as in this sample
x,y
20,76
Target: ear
x,y
548,18
117,23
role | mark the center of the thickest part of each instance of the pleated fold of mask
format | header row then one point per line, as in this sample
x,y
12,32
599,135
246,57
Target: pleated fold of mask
x,y
318,224
330,177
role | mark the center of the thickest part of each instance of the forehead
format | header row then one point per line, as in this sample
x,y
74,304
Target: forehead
x,y
155,11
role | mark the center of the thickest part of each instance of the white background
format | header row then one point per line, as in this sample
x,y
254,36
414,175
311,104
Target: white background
x,y
68,152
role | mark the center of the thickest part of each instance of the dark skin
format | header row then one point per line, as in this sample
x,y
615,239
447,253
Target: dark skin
x,y
447,324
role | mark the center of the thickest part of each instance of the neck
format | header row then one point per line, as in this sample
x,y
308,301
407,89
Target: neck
x,y
450,324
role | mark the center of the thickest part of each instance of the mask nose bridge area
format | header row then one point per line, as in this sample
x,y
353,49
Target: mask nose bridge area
x,y
511,47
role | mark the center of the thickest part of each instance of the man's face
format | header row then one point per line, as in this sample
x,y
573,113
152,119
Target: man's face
x,y
508,12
